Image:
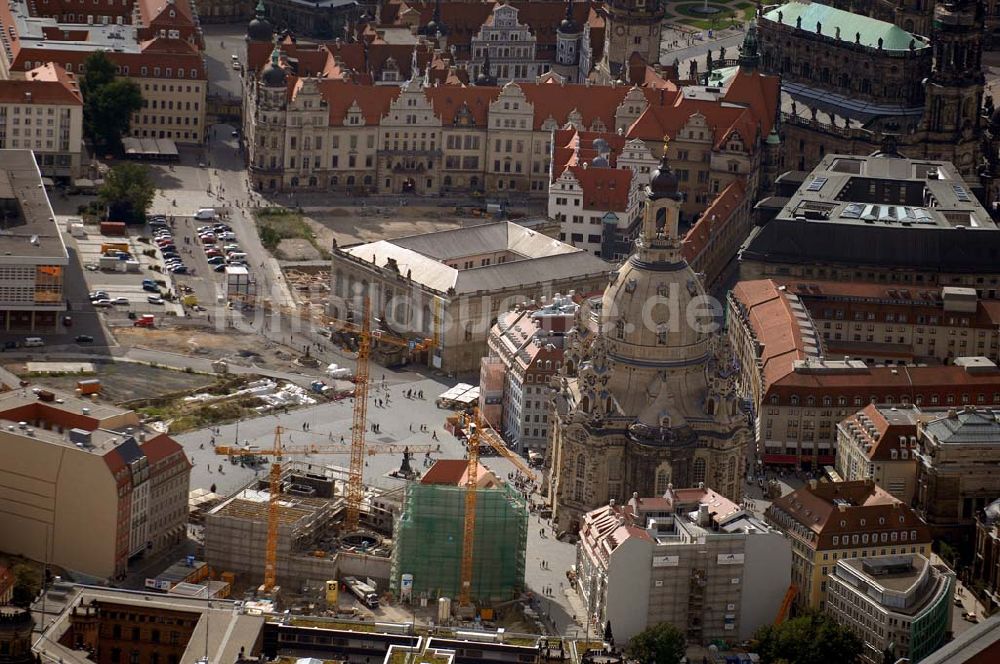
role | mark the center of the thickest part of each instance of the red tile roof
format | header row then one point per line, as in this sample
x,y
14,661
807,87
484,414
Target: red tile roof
x,y
716,217
604,188
48,84
836,508
453,472
886,438
774,325
160,447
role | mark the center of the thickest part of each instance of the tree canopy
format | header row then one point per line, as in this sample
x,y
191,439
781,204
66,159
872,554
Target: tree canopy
x,y
128,192
108,102
809,639
657,644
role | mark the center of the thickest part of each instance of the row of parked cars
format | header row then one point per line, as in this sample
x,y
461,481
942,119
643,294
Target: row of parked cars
x,y
219,243
163,237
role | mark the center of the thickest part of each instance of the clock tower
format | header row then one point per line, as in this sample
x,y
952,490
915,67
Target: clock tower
x,y
632,26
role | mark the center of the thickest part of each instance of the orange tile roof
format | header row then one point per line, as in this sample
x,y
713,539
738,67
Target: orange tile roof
x,y
48,84
668,118
340,96
774,325
867,508
759,92
451,102
454,472
160,447
558,101
713,220
886,438
604,188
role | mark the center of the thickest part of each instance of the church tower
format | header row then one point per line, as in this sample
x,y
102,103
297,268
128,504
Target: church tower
x,y
954,92
646,396
633,26
568,37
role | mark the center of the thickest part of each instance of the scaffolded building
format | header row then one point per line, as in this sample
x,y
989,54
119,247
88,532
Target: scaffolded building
x,y
429,532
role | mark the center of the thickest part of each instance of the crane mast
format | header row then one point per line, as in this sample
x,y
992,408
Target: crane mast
x,y
355,484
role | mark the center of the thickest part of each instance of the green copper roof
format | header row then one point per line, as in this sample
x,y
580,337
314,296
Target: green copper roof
x,y
893,37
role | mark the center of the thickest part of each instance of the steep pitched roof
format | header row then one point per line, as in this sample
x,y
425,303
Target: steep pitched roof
x,y
48,84
558,101
604,188
715,216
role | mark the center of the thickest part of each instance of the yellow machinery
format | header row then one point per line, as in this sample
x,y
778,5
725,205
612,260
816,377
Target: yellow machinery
x,y
355,484
476,433
278,452
786,604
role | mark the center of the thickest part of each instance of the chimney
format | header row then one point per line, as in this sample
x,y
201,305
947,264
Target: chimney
x,y
704,518
842,507
812,484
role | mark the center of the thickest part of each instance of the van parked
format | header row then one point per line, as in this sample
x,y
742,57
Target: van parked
x,y
205,213
33,342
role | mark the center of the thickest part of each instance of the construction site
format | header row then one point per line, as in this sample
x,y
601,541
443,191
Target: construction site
x,y
426,559
311,544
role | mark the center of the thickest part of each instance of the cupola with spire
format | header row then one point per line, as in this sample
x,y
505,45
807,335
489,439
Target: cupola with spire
x,y
435,26
569,26
663,182
750,49
273,75
260,29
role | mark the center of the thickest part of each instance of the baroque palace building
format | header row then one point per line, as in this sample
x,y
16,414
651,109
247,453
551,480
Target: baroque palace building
x,y
645,397
911,71
372,117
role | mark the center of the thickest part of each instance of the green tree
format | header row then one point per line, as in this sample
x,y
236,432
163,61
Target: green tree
x,y
128,192
809,639
27,583
108,102
658,644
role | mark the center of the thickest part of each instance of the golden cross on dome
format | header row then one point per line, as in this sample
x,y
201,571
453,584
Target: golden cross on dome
x,y
666,144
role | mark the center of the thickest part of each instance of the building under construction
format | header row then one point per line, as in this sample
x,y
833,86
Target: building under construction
x,y
310,545
429,529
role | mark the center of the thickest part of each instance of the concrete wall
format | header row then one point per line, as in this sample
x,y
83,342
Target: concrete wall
x,y
628,588
60,497
767,573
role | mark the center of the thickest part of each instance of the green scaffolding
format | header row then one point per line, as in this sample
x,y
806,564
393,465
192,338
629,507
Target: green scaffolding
x,y
428,542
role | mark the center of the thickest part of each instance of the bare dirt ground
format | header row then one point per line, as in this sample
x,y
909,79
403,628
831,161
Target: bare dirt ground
x,y
208,343
297,249
124,381
368,224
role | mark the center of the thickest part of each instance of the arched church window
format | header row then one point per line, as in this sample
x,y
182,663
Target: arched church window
x,y
699,471
581,465
662,480
731,472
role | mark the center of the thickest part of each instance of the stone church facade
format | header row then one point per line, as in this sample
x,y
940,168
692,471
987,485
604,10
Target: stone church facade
x,y
646,396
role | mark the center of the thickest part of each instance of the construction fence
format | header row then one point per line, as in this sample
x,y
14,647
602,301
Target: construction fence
x,y
429,533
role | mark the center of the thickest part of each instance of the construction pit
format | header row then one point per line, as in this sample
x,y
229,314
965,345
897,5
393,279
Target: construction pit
x,y
410,575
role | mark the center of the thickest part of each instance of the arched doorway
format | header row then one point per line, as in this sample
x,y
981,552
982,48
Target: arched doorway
x,y
409,186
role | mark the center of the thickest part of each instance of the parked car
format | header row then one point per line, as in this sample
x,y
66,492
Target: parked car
x,y
221,267
121,300
226,236
171,255
84,339
179,269
103,302
154,299
98,294
216,260
205,213
151,288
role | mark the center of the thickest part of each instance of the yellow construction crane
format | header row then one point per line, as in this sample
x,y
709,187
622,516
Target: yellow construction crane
x,y
469,532
278,452
355,482
478,429
355,485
